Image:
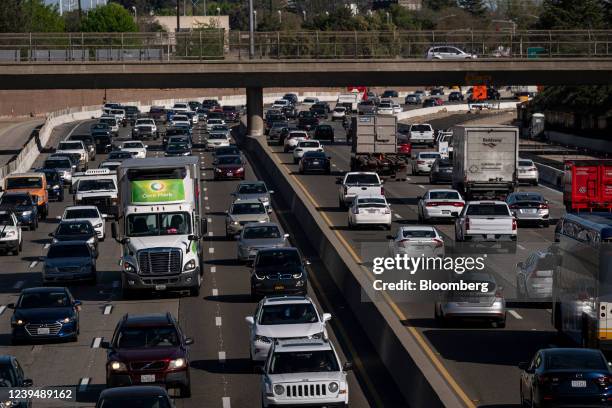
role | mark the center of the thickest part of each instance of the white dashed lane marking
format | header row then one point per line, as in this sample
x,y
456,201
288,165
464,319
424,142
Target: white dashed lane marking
x,y
396,215
218,321
2,309
108,309
83,384
222,356
213,269
515,314
33,264
211,250
226,402
215,292
96,342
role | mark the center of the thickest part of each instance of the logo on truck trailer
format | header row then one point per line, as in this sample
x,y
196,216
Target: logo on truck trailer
x,y
156,191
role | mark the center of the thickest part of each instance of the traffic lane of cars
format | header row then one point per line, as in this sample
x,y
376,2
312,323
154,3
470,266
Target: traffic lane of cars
x,y
219,316
531,324
68,363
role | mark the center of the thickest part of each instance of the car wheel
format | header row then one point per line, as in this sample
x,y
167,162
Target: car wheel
x,y
545,224
286,149
35,224
520,293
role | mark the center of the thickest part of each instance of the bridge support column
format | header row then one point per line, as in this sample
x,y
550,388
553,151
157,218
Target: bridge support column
x,y
254,99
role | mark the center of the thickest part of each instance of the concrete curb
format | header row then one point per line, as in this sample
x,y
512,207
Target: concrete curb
x,y
411,369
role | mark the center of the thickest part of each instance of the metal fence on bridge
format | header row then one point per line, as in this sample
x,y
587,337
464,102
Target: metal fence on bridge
x,y
216,44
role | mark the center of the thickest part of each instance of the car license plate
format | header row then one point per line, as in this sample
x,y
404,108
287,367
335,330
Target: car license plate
x,y
578,383
160,287
230,174
445,211
43,330
147,378
490,236
528,211
279,287
372,211
315,162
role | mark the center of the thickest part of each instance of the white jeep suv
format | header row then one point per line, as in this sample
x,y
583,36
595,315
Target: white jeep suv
x,y
304,372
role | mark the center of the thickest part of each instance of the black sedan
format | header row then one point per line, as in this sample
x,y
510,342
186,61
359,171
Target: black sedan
x,y
119,155
175,149
324,132
103,141
455,96
566,377
315,162
45,313
430,102
76,230
278,271
441,171
137,396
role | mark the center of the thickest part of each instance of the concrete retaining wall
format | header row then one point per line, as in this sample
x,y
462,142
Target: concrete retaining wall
x,y
447,108
566,139
413,372
550,175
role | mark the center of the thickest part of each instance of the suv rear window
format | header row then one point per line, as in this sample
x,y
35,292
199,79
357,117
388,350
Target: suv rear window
x,y
487,209
362,179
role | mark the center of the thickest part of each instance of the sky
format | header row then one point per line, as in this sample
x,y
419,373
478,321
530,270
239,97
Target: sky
x,y
84,3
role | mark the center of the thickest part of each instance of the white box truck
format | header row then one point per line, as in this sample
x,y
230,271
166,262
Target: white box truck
x,y
485,160
161,224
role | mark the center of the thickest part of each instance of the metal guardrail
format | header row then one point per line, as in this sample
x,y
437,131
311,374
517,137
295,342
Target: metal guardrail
x,y
216,44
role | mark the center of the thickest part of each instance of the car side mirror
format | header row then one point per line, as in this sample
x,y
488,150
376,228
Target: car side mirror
x,y
10,306
348,366
250,320
307,262
327,317
105,216
27,382
59,217
271,192
188,341
192,237
105,345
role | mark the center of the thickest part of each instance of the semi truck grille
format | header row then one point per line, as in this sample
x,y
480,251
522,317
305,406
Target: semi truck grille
x,y
159,261
306,390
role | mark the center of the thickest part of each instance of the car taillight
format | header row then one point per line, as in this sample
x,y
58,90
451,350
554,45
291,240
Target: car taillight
x,y
438,242
543,206
387,211
420,161
382,191
514,224
345,190
533,169
458,204
403,242
431,205
546,379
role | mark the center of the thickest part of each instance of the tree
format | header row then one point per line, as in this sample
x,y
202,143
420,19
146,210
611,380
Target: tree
x,y
572,14
29,16
475,7
438,5
109,18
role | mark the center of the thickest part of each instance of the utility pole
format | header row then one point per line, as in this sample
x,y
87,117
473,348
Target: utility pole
x,y
251,29
80,9
178,15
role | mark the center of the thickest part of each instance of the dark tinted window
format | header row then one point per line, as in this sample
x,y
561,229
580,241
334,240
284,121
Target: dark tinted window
x,y
299,313
444,195
420,128
572,360
247,208
57,164
68,251
227,151
6,219
488,209
17,199
43,299
229,160
362,179
96,185
81,213
23,182
418,234
258,188
278,258
141,337
304,362
75,228
135,402
267,232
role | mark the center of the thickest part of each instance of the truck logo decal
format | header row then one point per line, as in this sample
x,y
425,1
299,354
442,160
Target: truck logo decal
x,y
474,169
490,141
157,186
157,191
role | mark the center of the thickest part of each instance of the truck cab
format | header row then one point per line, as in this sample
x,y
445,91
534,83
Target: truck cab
x,y
33,183
161,224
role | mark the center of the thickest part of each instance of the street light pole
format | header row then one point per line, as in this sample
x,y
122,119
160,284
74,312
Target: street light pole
x,y
135,13
178,15
251,29
280,17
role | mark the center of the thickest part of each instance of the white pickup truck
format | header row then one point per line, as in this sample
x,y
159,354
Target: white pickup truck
x,y
96,187
422,134
489,221
358,183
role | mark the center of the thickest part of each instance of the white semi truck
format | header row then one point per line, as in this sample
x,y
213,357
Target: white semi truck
x,y
485,160
161,224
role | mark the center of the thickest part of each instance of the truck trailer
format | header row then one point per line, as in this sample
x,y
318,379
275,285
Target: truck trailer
x,y
161,224
485,161
587,185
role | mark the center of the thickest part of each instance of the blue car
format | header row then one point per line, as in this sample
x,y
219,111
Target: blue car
x,y
24,206
45,313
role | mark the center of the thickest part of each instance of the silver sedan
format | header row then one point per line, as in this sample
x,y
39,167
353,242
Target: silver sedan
x,y
260,236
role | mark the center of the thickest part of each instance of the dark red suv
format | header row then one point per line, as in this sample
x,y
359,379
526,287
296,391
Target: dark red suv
x,y
149,349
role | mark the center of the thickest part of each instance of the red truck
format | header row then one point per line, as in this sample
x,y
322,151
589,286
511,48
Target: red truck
x,y
587,185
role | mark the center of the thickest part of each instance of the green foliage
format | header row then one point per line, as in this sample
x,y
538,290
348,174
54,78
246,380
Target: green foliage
x,y
438,5
573,14
595,99
29,16
108,19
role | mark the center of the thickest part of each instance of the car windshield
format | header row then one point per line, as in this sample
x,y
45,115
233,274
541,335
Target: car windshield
x,y
70,146
140,401
444,195
57,164
214,121
427,233
227,151
181,118
569,360
429,155
258,188
84,138
247,208
527,197
308,144
117,112
222,128
266,232
304,362
109,121
52,177
217,136
362,179
340,110
229,160
297,313
6,219
420,128
133,145
488,209
119,155
110,166
525,163
145,337
96,185
74,228
21,200
80,250
278,258
371,203
37,300
23,182
315,155
176,223
81,213
297,134
99,126
178,146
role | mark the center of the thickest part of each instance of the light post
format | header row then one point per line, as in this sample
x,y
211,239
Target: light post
x,y
388,17
280,17
251,29
218,11
304,14
255,20
135,13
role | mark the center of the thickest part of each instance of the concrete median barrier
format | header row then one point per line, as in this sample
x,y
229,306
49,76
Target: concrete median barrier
x,y
398,348
550,175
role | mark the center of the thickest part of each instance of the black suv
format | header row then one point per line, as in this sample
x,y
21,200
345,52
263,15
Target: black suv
x,y
324,132
149,349
279,271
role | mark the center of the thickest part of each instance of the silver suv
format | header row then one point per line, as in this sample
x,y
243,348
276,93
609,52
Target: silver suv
x,y
304,372
448,52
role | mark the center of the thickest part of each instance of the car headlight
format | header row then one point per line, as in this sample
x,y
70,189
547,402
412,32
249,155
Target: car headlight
x,y
178,363
279,389
190,266
333,387
263,339
54,240
235,223
128,267
117,366
10,233
98,225
240,169
56,187
91,240
19,322
27,213
67,320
